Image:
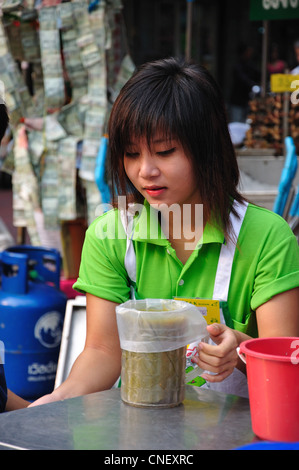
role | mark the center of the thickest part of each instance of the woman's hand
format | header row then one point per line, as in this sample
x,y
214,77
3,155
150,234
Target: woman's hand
x,y
43,400
221,358
99,364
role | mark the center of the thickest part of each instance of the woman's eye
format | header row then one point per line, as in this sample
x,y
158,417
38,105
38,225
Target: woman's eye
x,y
166,152
131,154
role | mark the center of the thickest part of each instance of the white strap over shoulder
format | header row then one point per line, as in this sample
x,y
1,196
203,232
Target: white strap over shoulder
x,y
127,218
227,253
226,257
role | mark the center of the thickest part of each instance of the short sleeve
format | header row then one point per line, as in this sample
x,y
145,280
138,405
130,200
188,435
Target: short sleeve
x,y
277,270
102,272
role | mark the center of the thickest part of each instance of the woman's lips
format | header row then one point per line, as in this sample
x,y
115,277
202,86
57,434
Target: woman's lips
x,y
155,190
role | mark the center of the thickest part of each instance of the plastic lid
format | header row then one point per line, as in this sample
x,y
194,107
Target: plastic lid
x,y
155,325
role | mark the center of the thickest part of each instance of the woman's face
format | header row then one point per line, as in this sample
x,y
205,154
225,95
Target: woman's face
x,y
163,174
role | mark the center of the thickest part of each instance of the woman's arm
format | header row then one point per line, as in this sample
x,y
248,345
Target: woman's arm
x,y
280,315
98,366
14,402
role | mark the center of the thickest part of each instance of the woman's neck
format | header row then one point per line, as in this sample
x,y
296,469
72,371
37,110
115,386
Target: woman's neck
x,y
183,228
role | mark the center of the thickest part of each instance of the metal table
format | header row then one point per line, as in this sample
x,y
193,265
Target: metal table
x,y
205,420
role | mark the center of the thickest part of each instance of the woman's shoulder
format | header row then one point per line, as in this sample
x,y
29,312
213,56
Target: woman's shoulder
x,y
261,214
264,221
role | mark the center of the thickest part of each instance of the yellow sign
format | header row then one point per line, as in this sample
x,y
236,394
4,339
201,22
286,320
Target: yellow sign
x,y
282,82
210,309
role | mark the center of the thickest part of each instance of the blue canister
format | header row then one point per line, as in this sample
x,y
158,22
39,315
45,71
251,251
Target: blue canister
x,y
32,312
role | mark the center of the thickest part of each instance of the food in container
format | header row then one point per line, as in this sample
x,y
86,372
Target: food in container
x,y
154,334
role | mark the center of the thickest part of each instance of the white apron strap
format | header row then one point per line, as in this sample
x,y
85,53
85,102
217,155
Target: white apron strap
x,y
130,257
226,257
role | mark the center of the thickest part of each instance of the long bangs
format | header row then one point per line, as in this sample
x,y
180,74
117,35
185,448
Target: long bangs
x,y
155,112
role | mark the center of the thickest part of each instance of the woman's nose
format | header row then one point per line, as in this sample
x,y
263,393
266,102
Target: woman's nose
x,y
148,167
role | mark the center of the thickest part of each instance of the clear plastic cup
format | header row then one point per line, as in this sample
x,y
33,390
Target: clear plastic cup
x,y
153,335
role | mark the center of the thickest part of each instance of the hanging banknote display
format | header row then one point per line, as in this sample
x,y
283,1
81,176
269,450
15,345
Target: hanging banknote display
x,y
62,65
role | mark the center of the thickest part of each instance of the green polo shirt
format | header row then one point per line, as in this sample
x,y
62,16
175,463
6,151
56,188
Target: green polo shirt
x,y
266,263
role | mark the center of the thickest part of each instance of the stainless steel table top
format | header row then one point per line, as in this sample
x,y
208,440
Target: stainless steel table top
x,y
205,420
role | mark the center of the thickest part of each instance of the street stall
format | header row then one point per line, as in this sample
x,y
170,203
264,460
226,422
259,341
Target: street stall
x,y
273,116
59,153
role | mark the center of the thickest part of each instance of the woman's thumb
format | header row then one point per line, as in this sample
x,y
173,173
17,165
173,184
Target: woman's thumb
x,y
215,329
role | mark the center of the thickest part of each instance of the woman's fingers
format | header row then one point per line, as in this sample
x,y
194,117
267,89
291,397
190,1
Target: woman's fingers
x,y
221,358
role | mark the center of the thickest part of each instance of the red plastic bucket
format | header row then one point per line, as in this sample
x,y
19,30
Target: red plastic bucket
x,y
273,382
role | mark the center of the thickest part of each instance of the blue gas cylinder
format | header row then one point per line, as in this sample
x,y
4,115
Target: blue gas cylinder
x,y
32,310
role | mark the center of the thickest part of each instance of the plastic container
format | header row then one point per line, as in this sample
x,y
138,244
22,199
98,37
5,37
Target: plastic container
x,y
273,381
153,335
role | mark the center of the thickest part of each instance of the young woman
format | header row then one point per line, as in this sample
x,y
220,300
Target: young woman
x,y
170,149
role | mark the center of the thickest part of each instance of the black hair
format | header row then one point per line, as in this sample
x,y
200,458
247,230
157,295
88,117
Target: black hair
x,y
180,100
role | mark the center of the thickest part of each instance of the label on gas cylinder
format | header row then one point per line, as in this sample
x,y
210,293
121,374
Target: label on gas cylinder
x,y
48,332
41,372
48,329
